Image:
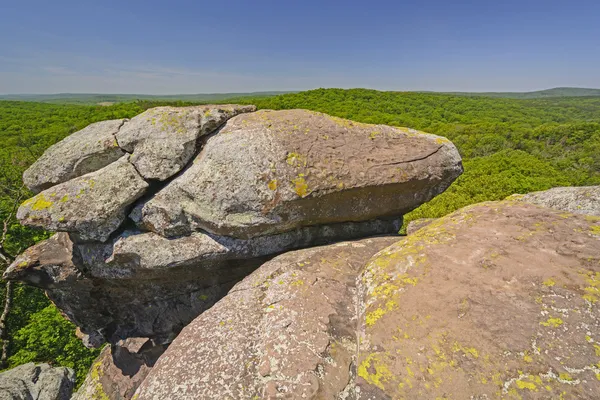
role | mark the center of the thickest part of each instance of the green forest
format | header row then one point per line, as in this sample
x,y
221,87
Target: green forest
x,y
508,146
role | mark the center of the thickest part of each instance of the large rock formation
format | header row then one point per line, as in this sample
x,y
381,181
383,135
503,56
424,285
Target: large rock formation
x,y
37,382
273,171
264,183
497,300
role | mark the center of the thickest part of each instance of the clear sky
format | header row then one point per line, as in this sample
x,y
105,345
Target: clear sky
x,y
176,46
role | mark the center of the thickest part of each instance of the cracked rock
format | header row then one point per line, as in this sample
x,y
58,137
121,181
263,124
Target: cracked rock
x,y
82,152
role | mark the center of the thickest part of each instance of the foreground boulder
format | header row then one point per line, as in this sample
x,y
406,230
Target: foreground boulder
x,y
497,300
119,370
580,200
93,206
37,382
273,171
144,285
86,151
164,139
288,329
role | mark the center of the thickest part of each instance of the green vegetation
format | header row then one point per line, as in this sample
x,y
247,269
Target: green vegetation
x,y
508,146
109,99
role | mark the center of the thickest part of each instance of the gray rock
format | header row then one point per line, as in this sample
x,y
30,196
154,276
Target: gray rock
x,y
85,151
580,200
273,171
145,285
164,139
37,382
92,206
288,329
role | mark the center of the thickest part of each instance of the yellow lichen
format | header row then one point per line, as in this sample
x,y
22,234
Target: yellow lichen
x,y
552,322
38,202
273,184
382,374
549,282
296,160
301,187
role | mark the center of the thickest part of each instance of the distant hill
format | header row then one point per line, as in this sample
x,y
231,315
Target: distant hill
x,y
540,94
107,99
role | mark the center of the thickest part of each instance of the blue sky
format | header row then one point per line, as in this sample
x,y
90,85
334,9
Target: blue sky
x,y
162,47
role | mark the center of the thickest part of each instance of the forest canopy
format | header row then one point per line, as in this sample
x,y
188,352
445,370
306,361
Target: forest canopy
x,y
508,146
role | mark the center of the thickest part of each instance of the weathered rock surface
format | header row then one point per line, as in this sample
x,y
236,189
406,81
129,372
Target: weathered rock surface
x,y
37,382
273,171
580,200
289,329
119,370
85,151
497,300
164,139
141,284
417,224
92,206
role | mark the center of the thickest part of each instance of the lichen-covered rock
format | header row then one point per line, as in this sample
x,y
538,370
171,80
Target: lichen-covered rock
x,y
37,382
498,300
119,370
580,200
164,139
92,206
273,171
417,224
141,284
85,151
492,301
288,330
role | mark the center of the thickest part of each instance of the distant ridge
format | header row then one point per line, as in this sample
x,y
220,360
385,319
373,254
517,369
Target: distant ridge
x,y
539,94
107,99
99,98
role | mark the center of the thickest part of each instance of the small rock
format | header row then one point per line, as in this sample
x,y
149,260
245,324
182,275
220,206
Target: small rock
x,y
92,206
39,382
85,151
164,139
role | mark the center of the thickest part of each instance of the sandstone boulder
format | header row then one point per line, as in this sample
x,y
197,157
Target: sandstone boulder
x,y
92,206
497,300
141,284
580,200
85,151
119,370
273,171
289,329
164,139
37,382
